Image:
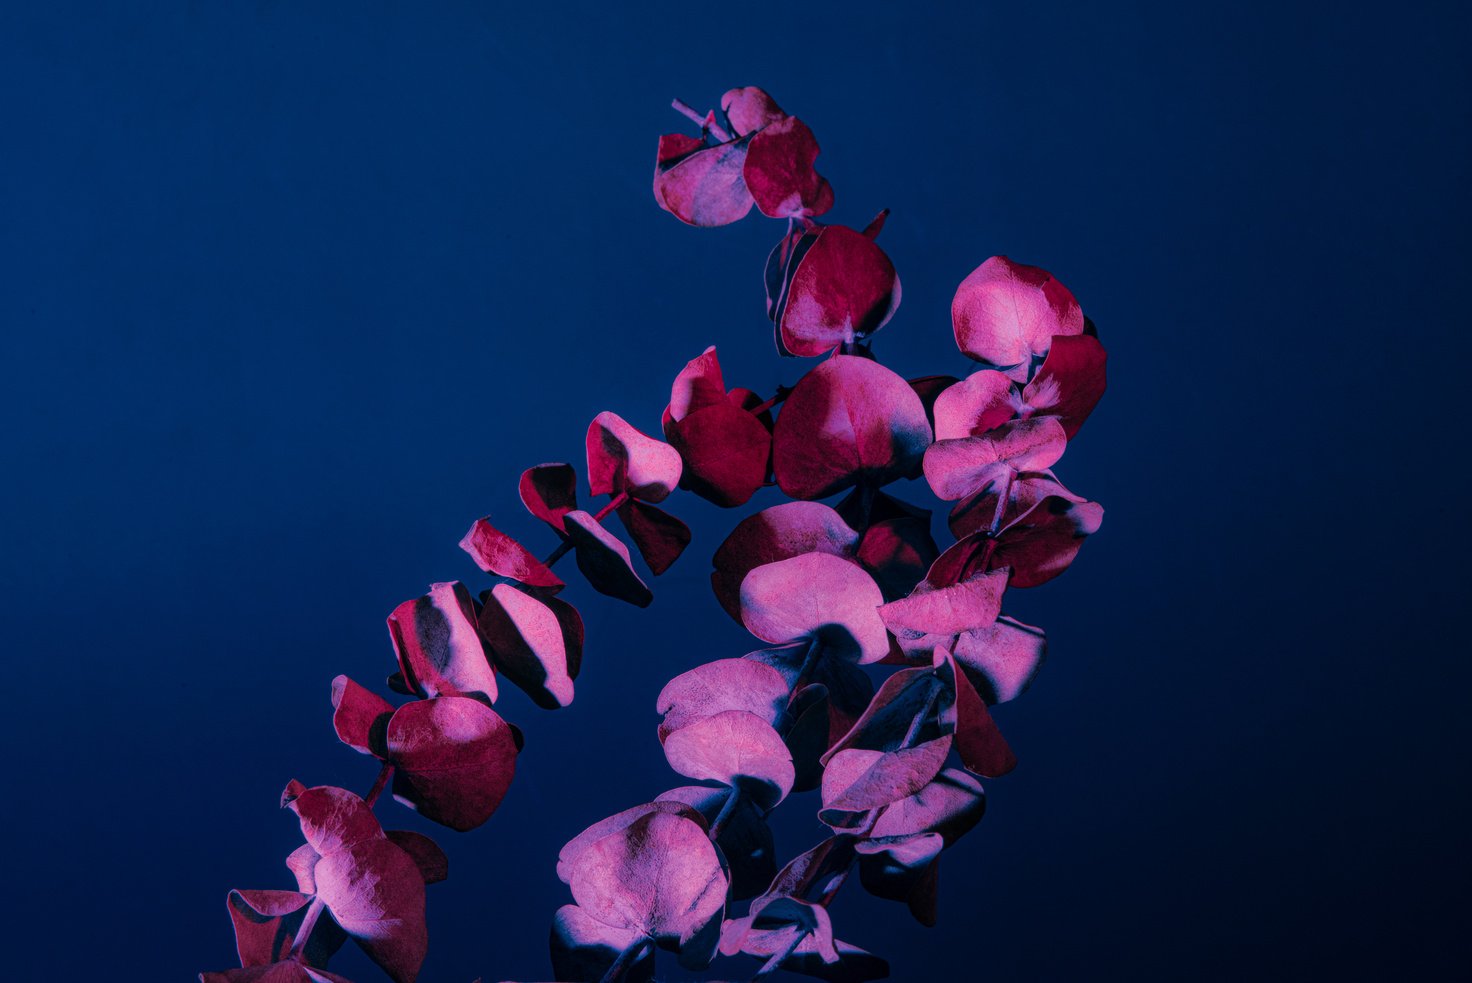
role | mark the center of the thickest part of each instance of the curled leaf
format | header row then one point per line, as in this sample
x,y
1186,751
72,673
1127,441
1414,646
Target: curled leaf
x,y
1069,384
266,924
433,865
605,561
699,184
359,716
980,402
495,552
749,109
1002,659
660,537
621,458
527,644
857,780
440,651
453,758
744,839
549,492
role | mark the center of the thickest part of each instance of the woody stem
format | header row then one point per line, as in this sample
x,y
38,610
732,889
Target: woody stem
x,y
304,931
379,784
625,961
782,393
727,811
565,546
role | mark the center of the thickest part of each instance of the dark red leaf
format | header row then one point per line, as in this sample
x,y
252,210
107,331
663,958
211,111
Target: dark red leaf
x,y
1041,543
495,552
266,924
834,285
453,758
549,492
660,537
849,420
1006,315
726,452
289,971
982,748
779,171
1069,384
359,716
439,649
433,865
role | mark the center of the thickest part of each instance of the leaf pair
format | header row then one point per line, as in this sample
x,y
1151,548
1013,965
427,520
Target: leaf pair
x,y
726,446
453,756
829,286
768,161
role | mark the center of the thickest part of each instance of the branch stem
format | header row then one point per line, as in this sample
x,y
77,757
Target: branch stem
x,y
304,931
780,956
728,809
379,784
625,961
706,122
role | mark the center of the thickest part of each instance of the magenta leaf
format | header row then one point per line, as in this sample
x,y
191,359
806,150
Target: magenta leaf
x,y
947,608
1041,544
623,459
301,862
1069,384
699,184
1002,659
777,533
848,421
359,716
980,402
697,386
433,865
527,645
749,109
567,858
583,948
779,171
726,449
549,492
1006,314
453,759
659,876
950,806
715,687
819,597
439,649
827,287
901,712
660,537
744,839
289,971
929,388
897,547
956,468
981,509
815,872
848,688
983,749
373,888
495,552
605,561
266,924
858,780
735,748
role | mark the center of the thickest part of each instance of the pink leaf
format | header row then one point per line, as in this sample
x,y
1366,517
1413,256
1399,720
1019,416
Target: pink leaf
x,y
495,552
698,385
549,492
950,806
856,780
977,511
1069,384
1001,660
605,561
376,893
714,687
901,713
956,468
981,402
749,109
359,716
453,758
777,533
698,184
659,536
1006,315
659,876
734,747
621,458
331,818
820,597
583,948
439,649
946,610
567,858
527,645
282,972
745,839
779,171
832,286
848,421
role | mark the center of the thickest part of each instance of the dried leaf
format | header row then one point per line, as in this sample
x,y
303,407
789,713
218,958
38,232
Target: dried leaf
x,y
833,286
715,687
359,716
621,458
527,645
583,948
549,492
605,561
439,649
1006,314
777,533
660,537
497,553
699,184
453,758
779,171
816,596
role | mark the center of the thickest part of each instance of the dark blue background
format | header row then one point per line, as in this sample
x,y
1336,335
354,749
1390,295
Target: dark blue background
x,y
289,297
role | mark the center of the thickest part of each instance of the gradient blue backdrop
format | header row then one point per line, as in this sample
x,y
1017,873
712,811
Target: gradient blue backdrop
x,y
289,294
